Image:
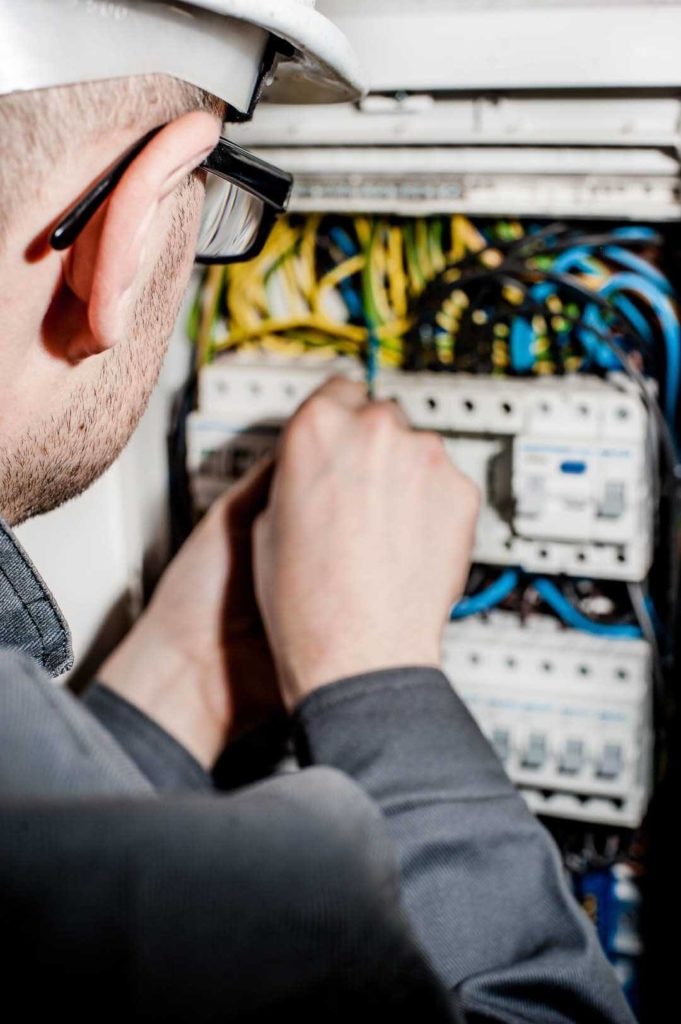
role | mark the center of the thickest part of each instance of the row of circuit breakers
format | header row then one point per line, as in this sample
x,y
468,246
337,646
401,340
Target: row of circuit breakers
x,y
566,470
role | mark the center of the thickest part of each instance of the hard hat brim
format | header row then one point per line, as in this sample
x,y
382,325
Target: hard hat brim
x,y
323,67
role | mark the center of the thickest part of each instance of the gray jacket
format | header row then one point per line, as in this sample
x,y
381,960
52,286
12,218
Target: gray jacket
x,y
118,855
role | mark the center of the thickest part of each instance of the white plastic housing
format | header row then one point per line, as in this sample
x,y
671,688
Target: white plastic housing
x,y
564,464
569,713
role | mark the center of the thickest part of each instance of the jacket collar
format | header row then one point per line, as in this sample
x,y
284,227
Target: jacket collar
x,y
30,620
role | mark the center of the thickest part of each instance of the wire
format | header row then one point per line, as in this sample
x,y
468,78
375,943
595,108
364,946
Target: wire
x,y
488,598
638,265
571,616
496,592
671,330
642,611
625,362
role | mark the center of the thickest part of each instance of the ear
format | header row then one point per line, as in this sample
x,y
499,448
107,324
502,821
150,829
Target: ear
x,y
112,253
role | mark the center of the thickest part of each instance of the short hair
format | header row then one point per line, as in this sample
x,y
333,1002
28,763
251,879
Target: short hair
x,y
46,128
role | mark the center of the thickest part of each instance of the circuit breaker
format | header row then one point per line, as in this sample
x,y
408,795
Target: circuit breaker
x,y
568,713
564,465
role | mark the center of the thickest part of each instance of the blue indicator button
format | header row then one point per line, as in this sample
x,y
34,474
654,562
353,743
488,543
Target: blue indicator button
x,y
575,468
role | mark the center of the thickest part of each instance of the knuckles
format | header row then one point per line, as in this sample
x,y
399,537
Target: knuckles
x,y
324,420
379,418
317,418
325,424
464,492
432,449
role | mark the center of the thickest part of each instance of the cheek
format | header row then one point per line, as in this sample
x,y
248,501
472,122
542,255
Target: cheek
x,y
183,233
160,291
193,202
170,252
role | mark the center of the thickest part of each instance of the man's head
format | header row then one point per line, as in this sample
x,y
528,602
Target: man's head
x,y
84,332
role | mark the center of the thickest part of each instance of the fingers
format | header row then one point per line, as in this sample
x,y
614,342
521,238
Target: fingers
x,y
337,397
396,410
349,393
352,396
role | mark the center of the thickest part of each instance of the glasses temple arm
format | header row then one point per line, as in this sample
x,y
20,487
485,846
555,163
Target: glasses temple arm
x,y
82,212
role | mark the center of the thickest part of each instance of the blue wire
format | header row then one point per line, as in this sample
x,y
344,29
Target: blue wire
x,y
341,238
578,259
352,300
520,345
487,598
671,330
639,266
635,233
634,316
593,323
575,260
570,616
496,592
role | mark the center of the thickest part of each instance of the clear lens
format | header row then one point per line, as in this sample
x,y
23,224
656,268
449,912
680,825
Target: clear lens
x,y
231,219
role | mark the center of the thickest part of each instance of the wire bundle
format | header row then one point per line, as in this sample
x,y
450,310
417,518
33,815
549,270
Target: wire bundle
x,y
446,294
514,584
500,297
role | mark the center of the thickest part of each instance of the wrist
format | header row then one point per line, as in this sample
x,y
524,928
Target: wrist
x,y
171,688
306,673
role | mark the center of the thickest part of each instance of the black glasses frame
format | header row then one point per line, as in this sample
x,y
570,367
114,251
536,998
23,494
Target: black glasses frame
x,y
228,161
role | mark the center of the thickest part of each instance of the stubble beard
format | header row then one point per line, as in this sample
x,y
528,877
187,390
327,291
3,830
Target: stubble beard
x,y
61,456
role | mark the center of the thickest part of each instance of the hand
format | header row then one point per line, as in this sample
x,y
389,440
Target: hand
x,y
198,662
365,544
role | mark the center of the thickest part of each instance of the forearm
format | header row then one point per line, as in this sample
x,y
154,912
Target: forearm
x,y
481,879
170,687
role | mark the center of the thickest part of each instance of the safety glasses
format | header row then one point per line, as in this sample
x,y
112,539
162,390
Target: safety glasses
x,y
244,197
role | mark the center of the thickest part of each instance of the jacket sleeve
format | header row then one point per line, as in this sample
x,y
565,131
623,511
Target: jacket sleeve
x,y
281,899
164,762
54,745
482,881
51,746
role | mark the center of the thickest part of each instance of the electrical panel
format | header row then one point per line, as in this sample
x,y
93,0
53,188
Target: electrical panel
x,y
564,465
490,237
569,714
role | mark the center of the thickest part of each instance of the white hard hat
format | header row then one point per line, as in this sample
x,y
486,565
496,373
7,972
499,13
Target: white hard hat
x,y
323,66
226,47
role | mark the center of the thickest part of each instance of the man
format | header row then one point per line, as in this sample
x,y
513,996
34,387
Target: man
x,y
323,582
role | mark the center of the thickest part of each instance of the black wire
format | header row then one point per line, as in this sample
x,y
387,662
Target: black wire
x,y
179,490
529,245
512,273
598,240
